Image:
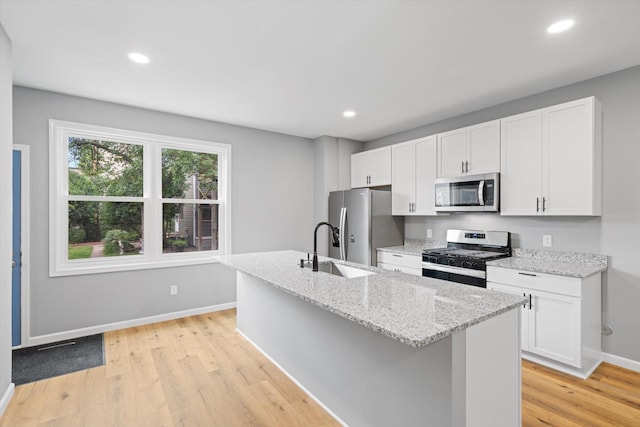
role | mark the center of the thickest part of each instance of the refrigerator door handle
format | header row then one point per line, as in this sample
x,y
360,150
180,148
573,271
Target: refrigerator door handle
x,y
343,220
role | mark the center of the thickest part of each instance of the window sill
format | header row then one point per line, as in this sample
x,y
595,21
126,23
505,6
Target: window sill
x,y
99,268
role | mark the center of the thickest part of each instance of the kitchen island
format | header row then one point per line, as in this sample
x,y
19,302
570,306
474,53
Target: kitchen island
x,y
386,348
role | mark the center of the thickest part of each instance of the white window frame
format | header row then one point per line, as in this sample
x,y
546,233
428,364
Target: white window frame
x,y
153,257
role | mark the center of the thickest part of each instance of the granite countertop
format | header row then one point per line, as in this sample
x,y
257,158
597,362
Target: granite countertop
x,y
570,264
411,309
414,247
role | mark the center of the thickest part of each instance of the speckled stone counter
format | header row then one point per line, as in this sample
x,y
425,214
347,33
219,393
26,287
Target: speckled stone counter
x,y
413,247
570,264
413,310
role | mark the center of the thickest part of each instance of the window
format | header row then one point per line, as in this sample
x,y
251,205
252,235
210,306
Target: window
x,y
122,200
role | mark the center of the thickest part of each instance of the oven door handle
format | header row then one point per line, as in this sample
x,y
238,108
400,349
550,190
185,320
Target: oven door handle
x,y
455,270
481,193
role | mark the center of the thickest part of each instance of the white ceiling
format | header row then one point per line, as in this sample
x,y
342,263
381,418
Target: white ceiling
x,y
295,66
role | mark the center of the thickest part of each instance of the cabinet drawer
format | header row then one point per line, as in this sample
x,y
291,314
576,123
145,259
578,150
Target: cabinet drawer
x,y
570,286
400,260
408,270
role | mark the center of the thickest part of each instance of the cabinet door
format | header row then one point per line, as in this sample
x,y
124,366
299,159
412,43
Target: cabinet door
x,y
554,327
483,148
520,164
379,165
426,162
452,153
403,178
524,312
568,172
359,170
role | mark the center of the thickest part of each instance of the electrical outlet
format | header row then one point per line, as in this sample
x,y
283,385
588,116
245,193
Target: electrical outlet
x,y
546,240
429,233
173,290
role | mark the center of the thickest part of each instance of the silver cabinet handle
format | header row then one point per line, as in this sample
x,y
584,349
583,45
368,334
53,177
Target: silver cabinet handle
x,y
544,202
409,206
466,164
527,274
462,166
524,304
537,204
530,305
414,206
397,255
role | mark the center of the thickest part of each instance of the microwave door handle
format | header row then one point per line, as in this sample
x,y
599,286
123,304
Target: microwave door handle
x,y
481,193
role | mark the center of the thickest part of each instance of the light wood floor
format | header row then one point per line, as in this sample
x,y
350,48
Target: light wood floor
x,y
198,371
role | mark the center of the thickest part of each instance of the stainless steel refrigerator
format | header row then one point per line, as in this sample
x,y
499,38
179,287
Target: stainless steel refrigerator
x,y
364,219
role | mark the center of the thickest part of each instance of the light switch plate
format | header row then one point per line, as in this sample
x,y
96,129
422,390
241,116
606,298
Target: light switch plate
x,y
546,240
429,233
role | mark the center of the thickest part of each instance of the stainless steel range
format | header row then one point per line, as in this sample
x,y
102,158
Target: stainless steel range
x,y
464,259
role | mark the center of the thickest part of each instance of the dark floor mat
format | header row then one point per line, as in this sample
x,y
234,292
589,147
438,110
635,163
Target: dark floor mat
x,y
50,360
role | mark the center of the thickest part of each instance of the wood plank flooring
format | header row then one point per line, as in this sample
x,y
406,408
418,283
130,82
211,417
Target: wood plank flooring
x,y
198,371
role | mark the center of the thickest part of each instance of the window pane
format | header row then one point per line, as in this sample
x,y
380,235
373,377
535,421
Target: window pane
x,y
103,168
189,175
189,227
99,229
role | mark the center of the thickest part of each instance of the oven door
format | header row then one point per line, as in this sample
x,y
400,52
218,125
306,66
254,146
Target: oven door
x,y
474,193
455,274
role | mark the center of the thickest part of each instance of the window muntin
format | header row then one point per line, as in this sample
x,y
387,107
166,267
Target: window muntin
x,y
137,188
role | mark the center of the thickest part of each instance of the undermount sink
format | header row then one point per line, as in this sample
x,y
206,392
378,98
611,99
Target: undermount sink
x,y
341,270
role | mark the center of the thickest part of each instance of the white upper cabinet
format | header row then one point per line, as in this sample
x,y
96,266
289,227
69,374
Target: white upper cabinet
x,y
413,176
551,160
521,169
469,151
371,168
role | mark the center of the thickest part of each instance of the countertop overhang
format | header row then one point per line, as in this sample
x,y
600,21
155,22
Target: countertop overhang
x,y
414,310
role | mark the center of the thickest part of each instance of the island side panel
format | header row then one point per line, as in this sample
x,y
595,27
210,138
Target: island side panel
x,y
362,377
487,373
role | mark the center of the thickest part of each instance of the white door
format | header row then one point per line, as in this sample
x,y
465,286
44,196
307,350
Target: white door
x,y
359,170
425,172
520,165
554,327
403,178
379,165
568,158
452,153
483,148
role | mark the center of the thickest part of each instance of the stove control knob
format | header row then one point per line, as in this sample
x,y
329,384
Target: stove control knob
x,y
468,264
450,261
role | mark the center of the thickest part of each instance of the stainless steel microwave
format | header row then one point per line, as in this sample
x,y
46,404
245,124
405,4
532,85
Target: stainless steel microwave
x,y
470,193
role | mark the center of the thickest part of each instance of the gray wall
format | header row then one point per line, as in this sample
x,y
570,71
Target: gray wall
x,y
332,172
615,234
272,208
5,215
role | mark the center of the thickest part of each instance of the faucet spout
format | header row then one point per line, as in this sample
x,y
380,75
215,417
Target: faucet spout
x,y
334,235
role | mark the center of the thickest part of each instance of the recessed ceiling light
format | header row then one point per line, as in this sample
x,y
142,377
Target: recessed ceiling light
x,y
349,113
560,26
138,57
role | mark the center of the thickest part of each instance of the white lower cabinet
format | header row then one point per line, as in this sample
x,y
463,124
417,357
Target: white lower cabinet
x,y
561,318
411,264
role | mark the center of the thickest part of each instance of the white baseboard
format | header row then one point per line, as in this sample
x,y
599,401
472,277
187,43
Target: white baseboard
x,y
623,362
6,398
329,411
83,332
